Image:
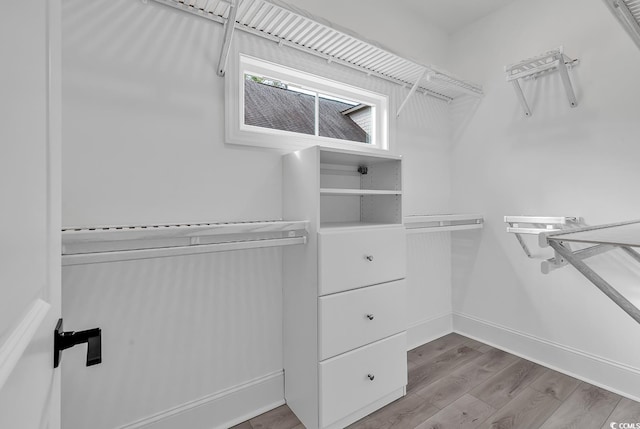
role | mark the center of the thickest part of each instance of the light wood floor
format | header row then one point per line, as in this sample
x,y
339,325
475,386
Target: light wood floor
x,y
457,382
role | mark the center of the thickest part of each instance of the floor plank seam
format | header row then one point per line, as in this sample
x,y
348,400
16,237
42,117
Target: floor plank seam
x,y
536,378
611,413
465,392
454,367
450,347
430,403
417,361
489,416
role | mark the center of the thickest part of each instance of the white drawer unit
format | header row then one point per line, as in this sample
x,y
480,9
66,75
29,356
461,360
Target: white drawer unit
x,y
351,259
344,292
358,317
353,380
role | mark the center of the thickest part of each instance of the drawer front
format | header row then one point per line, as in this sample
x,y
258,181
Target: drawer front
x,y
352,259
345,385
354,318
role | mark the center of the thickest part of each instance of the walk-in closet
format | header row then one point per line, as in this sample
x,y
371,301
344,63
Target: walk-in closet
x,y
288,214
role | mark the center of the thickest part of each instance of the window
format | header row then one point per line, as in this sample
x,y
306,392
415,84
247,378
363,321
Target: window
x,y
282,107
273,104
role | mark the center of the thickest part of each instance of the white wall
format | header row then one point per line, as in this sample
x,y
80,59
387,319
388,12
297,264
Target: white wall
x,y
143,122
175,330
424,133
561,161
143,142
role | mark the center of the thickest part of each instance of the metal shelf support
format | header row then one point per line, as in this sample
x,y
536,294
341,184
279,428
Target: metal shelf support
x,y
521,97
594,278
538,66
538,225
229,28
412,91
600,238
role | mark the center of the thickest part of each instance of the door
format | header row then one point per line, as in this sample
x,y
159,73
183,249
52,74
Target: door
x,y
29,212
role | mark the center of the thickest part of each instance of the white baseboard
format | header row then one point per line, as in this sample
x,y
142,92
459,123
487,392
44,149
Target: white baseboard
x,y
424,331
223,409
613,376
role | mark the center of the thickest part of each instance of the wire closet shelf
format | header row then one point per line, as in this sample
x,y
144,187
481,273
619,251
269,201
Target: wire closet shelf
x,y
628,14
84,245
288,26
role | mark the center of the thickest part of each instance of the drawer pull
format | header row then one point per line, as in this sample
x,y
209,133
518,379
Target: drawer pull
x,y
370,316
371,377
369,258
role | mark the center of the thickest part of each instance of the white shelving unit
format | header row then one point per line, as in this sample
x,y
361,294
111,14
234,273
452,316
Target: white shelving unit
x,y
357,189
344,293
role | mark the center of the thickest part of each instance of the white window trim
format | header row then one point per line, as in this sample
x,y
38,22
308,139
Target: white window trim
x,y
237,132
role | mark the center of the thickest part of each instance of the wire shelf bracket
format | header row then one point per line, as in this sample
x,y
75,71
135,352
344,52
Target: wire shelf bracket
x,y
559,232
541,65
538,225
229,27
412,91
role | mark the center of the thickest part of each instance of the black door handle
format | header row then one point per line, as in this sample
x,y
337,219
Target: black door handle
x,y
64,340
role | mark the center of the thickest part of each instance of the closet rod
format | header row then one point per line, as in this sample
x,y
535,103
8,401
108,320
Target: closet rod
x,y
420,224
163,252
429,229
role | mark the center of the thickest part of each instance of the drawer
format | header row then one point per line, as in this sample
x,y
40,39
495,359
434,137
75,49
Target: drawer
x,y
345,386
352,259
351,319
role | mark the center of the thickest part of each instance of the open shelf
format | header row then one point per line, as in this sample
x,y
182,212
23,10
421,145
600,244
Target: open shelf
x,y
359,188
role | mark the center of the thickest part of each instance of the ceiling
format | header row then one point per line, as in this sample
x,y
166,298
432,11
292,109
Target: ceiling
x,y
452,15
448,15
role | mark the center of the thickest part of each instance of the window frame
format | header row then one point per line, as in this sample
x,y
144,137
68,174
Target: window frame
x,y
237,132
